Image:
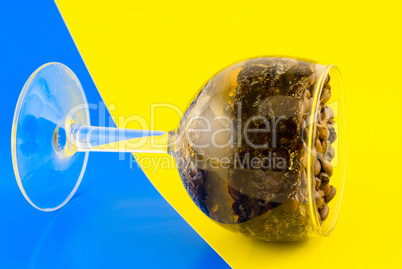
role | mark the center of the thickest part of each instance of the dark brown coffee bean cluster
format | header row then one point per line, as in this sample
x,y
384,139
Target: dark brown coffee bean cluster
x,y
269,203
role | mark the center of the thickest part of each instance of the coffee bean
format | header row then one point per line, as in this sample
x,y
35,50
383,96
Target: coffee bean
x,y
322,132
318,146
319,202
324,211
327,134
317,195
326,98
326,146
317,183
317,167
326,189
323,176
327,168
319,156
327,79
321,193
332,136
331,152
324,92
324,179
331,194
330,125
290,205
323,114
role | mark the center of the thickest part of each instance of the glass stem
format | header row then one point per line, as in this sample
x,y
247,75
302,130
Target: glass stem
x,y
90,138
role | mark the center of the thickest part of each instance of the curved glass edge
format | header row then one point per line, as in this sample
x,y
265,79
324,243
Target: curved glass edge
x,y
14,136
317,227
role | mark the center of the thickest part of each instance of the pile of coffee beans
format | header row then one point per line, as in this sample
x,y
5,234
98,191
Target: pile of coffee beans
x,y
325,136
267,202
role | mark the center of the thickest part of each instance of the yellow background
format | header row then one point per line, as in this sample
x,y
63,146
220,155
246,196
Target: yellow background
x,y
143,52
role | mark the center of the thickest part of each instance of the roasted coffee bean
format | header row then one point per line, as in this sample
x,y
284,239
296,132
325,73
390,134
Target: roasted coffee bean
x,y
317,167
318,146
327,79
317,183
324,95
324,179
290,205
321,193
331,194
326,98
323,114
326,189
317,195
324,92
319,156
323,133
319,202
323,183
307,105
332,135
327,158
326,146
324,211
331,152
330,125
327,134
327,168
323,176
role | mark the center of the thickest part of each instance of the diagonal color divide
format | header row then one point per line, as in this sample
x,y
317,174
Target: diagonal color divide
x,y
138,56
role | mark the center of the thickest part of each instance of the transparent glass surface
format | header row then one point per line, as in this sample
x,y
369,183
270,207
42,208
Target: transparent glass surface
x,y
47,172
261,148
256,148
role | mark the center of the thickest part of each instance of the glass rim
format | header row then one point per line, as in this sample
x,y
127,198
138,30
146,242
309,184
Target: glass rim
x,y
310,165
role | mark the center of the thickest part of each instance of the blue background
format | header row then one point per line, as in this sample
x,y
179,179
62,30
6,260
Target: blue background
x,y
116,219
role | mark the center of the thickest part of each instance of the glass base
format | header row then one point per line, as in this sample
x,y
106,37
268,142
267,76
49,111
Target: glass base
x,y
47,171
